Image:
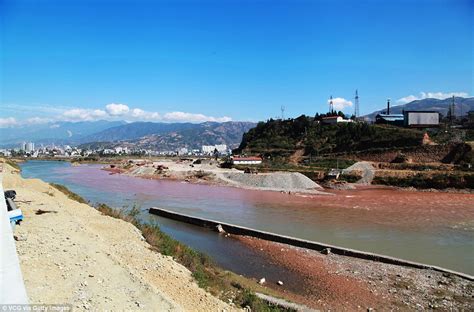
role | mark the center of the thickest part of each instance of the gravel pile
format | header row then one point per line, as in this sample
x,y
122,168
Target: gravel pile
x,y
285,181
368,171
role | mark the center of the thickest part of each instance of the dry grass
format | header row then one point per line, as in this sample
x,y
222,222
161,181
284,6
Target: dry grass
x,y
223,284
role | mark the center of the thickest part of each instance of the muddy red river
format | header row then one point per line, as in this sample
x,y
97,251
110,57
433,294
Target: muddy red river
x,y
434,228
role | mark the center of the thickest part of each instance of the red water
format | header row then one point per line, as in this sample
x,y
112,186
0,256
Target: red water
x,y
429,227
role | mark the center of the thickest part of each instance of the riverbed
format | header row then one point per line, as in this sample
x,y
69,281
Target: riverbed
x,y
432,228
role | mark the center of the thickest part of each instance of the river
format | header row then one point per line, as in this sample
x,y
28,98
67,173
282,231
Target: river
x,y
432,228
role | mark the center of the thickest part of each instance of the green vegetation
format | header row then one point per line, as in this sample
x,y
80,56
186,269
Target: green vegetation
x,y
207,274
279,139
426,181
350,177
69,194
13,164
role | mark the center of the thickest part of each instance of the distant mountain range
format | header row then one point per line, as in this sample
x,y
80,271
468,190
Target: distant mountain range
x,y
170,137
159,136
462,105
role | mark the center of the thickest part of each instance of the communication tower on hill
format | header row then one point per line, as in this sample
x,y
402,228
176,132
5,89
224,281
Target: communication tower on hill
x,y
331,105
356,104
282,108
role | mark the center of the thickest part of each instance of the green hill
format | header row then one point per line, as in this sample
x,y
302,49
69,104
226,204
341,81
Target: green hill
x,y
282,138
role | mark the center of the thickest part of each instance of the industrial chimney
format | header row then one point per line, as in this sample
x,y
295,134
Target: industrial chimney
x,y
388,106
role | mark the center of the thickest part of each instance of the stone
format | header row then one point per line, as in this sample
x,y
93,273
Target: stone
x,y
326,251
262,281
280,283
220,229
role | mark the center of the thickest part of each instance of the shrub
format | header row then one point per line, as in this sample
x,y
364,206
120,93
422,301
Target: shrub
x,y
68,193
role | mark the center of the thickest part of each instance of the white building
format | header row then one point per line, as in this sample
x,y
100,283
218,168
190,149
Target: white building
x,y
182,151
246,160
421,119
332,120
30,147
209,149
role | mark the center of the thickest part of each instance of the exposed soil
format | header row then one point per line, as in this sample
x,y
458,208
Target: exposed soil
x,y
344,283
71,253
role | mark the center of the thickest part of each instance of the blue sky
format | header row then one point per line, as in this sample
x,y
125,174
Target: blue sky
x,y
221,60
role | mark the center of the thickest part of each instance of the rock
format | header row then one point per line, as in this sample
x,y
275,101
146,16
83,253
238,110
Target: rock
x,y
220,229
262,281
326,251
280,283
19,238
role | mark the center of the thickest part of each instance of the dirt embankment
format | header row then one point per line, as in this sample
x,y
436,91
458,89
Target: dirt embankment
x,y
71,253
209,172
343,283
448,153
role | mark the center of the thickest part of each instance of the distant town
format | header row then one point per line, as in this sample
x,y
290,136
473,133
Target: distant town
x,y
28,149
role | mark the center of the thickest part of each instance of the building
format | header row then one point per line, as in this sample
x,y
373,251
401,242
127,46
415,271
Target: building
x,y
390,119
209,149
332,120
30,147
246,160
421,119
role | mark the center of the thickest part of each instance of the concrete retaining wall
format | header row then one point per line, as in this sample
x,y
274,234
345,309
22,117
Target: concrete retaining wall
x,y
240,230
12,288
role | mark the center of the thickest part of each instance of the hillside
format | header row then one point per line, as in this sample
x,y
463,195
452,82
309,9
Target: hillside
x,y
279,138
159,136
135,130
463,105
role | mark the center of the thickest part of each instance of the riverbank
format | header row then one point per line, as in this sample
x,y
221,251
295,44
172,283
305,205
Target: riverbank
x,y
344,283
424,211
209,172
70,253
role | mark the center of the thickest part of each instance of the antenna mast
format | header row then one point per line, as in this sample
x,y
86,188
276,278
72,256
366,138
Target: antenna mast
x,y
453,110
282,108
356,105
331,105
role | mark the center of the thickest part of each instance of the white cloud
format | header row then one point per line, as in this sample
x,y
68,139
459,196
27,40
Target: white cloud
x,y
137,113
80,114
117,109
37,121
340,103
182,116
113,112
140,114
431,95
8,122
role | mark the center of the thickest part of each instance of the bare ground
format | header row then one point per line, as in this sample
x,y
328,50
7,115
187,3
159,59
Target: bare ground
x,y
336,282
70,253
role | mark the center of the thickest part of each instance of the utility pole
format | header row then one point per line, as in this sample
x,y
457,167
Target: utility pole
x,y
356,105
